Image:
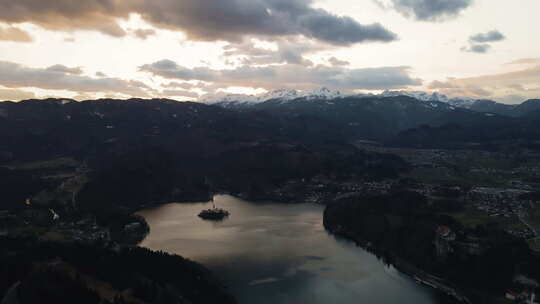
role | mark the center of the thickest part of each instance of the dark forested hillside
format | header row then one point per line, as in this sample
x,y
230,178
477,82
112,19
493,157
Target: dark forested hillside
x,y
480,129
405,120
48,272
137,152
402,226
357,118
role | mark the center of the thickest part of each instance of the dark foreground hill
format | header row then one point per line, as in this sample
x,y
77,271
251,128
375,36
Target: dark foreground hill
x,y
34,271
103,159
144,151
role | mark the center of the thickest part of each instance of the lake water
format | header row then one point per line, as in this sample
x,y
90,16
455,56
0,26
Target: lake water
x,y
272,253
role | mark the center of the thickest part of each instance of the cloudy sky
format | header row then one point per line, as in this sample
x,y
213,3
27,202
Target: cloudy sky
x,y
183,49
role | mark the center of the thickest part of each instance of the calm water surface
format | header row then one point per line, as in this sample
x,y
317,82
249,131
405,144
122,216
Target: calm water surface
x,y
272,253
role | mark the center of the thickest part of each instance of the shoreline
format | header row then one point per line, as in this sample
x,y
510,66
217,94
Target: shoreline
x,y
415,273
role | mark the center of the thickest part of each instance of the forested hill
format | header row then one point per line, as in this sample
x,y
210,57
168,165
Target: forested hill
x,y
142,151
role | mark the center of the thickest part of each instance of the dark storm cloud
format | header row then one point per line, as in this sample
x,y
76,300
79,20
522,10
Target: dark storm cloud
x,y
66,15
231,20
431,10
289,75
209,20
491,36
13,75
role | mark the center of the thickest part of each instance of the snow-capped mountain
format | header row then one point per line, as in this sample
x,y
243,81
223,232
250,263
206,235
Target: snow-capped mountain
x,y
282,94
423,96
323,93
228,98
460,102
285,95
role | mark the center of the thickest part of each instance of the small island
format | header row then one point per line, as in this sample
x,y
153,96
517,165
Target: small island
x,y
214,214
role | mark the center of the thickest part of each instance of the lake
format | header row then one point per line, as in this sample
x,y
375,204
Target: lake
x,y
274,253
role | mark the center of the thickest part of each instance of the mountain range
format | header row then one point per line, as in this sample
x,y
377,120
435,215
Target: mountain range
x,y
284,95
384,117
176,149
327,94
47,127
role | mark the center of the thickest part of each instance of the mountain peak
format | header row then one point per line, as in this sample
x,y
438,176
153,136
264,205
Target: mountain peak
x,y
420,95
281,94
323,93
461,102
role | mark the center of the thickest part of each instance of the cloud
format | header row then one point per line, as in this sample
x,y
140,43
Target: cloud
x,y
14,34
336,62
278,51
235,19
476,91
169,69
512,99
84,96
491,36
430,10
180,93
289,75
503,87
442,85
15,95
382,5
477,48
290,51
526,61
63,15
66,15
64,69
144,33
477,43
209,20
180,85
13,75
